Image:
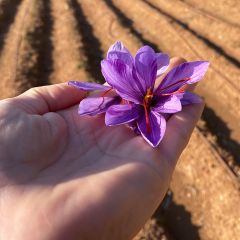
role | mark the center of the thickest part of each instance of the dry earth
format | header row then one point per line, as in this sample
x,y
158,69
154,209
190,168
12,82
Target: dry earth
x,y
45,42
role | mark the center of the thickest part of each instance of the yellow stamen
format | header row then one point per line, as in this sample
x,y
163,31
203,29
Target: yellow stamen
x,y
148,96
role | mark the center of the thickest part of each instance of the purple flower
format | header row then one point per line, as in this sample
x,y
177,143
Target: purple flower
x,y
135,100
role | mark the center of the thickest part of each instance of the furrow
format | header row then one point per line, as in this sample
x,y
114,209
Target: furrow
x,y
8,10
35,62
69,60
220,95
10,51
226,45
226,11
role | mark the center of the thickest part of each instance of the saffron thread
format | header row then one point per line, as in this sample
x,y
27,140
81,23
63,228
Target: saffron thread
x,y
103,95
182,80
147,118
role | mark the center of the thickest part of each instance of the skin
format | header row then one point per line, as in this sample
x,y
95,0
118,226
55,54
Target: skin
x,y
63,176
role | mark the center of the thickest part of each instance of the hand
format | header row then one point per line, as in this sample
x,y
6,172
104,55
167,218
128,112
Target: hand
x,y
63,176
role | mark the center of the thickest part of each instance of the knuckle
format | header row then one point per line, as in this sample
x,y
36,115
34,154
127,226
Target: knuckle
x,y
178,60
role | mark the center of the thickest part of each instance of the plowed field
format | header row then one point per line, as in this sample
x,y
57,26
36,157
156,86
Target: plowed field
x,y
51,41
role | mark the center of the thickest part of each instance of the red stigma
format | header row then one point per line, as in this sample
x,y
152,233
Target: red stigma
x,y
182,80
106,92
103,95
147,118
169,94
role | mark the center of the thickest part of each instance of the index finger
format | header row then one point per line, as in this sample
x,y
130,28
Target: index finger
x,y
180,125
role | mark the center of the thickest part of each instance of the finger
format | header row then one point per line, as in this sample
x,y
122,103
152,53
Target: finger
x,y
51,98
175,61
179,129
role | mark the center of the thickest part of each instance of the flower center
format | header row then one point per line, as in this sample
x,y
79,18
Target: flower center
x,y
148,97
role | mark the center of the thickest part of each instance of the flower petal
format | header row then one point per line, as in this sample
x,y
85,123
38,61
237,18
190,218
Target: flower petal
x,y
185,73
169,104
146,66
87,86
118,51
123,113
96,105
188,98
162,63
119,76
157,125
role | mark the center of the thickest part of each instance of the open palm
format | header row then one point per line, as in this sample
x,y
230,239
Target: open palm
x,y
63,176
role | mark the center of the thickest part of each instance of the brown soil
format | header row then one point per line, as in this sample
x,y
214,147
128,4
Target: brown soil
x,y
223,10
45,42
68,58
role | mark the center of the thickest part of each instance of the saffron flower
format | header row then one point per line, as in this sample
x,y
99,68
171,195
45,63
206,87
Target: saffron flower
x,y
131,96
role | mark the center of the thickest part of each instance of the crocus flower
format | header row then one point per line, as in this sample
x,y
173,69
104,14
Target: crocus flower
x,y
140,102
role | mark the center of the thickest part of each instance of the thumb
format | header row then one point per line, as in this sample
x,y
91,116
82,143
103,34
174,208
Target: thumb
x,y
41,100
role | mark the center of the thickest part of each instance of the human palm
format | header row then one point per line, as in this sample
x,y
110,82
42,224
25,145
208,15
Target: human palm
x,y
63,176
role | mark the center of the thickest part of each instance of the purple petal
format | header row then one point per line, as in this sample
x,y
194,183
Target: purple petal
x,y
162,63
96,105
157,128
86,86
119,76
146,66
188,98
123,113
169,104
118,51
185,73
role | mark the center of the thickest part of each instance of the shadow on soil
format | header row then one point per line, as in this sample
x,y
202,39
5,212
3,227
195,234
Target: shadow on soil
x,y
7,16
41,43
177,221
219,128
128,23
91,44
218,49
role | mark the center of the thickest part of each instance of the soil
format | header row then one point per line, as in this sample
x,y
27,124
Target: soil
x,y
46,42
